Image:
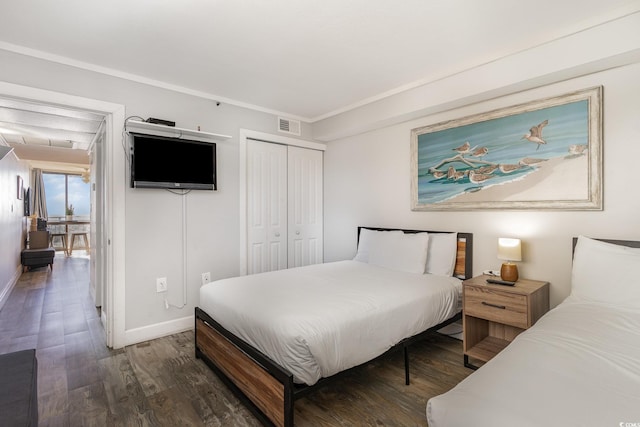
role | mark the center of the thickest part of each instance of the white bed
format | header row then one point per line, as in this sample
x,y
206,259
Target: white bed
x,y
273,336
579,365
318,320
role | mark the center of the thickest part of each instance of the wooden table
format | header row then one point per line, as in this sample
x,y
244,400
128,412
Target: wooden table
x,y
495,314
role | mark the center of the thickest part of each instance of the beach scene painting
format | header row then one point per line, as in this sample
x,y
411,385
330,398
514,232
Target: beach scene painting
x,y
545,154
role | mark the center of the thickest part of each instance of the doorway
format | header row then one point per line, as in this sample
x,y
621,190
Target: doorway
x,y
109,198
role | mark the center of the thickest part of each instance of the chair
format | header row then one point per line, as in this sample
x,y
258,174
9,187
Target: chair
x,y
63,241
39,253
85,237
59,232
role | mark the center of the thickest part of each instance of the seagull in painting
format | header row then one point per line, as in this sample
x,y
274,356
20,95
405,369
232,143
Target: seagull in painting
x,y
438,174
535,134
577,148
510,168
463,149
453,174
528,161
480,152
489,169
479,178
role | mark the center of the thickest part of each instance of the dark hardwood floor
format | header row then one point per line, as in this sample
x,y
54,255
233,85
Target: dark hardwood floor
x,y
160,383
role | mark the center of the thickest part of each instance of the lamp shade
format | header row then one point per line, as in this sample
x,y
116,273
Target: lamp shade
x,y
509,249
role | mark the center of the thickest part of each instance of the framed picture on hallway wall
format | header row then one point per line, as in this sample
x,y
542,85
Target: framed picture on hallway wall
x,y
545,154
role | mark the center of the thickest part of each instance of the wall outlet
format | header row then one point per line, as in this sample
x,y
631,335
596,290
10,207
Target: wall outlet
x,y
206,278
161,284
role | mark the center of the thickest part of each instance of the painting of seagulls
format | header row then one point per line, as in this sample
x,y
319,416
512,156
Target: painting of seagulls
x,y
485,161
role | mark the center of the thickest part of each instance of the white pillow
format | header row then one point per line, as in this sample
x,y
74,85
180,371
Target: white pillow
x,y
605,272
404,252
442,253
367,238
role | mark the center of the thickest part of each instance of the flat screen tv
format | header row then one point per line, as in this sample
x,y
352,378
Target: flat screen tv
x,y
163,162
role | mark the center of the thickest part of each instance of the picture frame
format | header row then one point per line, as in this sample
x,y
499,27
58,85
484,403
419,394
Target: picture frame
x,y
544,154
20,194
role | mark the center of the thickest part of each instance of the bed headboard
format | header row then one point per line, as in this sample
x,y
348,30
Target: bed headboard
x,y
630,243
464,257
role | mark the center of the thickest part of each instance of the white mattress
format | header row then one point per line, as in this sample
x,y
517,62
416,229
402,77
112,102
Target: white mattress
x,y
321,319
579,365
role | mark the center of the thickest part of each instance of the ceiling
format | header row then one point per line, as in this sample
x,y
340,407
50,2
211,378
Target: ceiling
x,y
303,59
47,133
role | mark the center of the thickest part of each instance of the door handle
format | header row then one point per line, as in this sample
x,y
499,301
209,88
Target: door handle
x,y
277,234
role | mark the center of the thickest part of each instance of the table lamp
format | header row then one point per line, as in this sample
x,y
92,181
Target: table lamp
x,y
509,250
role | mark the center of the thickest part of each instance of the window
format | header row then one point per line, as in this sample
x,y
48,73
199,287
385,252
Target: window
x,y
63,190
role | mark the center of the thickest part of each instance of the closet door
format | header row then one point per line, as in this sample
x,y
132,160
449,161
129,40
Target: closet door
x,y
305,206
266,206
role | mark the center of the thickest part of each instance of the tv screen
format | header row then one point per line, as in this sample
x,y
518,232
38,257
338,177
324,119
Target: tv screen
x,y
162,162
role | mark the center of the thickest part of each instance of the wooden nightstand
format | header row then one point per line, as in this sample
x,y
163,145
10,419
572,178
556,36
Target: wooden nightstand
x,y
493,315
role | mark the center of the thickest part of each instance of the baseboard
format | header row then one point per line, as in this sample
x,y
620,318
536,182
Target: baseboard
x,y
4,295
158,330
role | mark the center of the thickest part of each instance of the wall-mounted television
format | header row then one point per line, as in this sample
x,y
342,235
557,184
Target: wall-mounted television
x,y
164,162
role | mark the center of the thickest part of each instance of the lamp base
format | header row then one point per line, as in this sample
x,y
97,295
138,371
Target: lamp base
x,y
509,272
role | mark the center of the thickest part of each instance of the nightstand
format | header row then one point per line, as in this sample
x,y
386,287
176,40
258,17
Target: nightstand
x,y
493,315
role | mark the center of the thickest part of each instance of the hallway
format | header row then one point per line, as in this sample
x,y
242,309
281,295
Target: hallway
x,y
52,311
45,306
83,383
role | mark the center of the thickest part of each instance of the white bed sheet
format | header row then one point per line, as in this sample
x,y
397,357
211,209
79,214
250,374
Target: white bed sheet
x,y
321,319
579,365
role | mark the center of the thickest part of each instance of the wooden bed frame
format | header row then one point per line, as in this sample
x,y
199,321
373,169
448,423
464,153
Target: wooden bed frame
x,y
261,384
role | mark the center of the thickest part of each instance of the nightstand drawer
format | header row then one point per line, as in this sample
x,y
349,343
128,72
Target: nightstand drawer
x,y
496,306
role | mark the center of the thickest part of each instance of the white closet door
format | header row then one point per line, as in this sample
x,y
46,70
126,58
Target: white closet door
x,y
266,206
305,206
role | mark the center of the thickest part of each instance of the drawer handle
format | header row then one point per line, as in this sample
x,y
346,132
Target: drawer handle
x,y
501,307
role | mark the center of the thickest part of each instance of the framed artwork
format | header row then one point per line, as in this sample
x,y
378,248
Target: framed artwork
x,y
544,154
20,189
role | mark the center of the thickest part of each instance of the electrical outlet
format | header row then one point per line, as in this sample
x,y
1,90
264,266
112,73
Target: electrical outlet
x,y
161,284
206,278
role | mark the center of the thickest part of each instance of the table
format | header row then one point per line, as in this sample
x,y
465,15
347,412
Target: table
x,y
495,314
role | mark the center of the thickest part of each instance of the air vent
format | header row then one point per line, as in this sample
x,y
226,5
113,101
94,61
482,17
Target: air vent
x,y
289,126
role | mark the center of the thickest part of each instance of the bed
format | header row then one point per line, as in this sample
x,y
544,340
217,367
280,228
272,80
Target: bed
x,y
274,337
579,365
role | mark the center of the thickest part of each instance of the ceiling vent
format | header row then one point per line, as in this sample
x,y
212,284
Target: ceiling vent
x,y
289,126
4,151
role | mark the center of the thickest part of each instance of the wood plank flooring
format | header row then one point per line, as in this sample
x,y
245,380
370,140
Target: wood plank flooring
x,y
160,383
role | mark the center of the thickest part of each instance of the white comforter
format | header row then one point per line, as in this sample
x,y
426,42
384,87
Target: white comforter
x,y
578,366
321,319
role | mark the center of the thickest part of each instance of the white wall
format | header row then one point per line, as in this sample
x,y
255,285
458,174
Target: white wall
x,y
367,179
153,218
13,223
